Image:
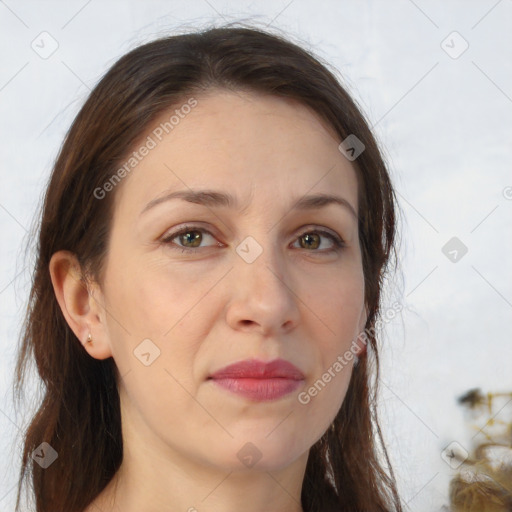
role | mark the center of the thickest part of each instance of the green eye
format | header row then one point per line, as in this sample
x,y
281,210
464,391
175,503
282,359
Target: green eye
x,y
313,240
189,239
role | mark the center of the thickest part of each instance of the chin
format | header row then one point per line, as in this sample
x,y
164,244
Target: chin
x,y
259,452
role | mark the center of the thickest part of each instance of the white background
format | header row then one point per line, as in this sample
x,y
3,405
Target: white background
x,y
445,124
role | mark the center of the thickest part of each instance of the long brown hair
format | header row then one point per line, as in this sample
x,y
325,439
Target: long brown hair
x,y
79,416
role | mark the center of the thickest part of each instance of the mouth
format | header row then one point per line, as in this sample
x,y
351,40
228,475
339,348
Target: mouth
x,y
260,390
259,381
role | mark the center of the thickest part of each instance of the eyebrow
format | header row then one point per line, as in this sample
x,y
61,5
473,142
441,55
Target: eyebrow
x,y
215,199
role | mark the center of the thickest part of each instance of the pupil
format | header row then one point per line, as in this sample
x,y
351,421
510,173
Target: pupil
x,y
309,238
192,238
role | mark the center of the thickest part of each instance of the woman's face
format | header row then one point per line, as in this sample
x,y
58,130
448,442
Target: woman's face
x,y
255,279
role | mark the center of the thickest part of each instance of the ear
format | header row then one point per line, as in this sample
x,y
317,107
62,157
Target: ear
x,y
82,311
360,342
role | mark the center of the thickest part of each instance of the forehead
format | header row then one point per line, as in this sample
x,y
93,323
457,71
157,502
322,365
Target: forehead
x,y
243,142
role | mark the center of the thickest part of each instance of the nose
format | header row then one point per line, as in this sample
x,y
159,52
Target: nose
x,y
263,298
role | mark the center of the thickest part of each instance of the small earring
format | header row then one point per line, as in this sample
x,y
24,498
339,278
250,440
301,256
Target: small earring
x,y
89,338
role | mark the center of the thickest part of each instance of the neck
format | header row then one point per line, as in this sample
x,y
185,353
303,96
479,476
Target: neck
x,y
154,484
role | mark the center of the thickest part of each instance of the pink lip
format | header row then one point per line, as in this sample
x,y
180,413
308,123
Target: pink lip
x,y
258,380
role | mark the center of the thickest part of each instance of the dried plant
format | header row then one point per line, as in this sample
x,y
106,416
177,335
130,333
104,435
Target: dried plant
x,y
484,479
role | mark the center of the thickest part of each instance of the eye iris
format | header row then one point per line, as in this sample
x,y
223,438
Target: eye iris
x,y
311,238
193,238
197,238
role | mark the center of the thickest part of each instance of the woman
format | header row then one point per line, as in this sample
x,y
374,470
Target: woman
x,y
212,247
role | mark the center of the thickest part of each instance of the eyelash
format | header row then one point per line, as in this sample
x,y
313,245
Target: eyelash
x,y
339,243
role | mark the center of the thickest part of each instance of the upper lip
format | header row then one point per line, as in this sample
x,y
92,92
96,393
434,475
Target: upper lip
x,y
254,369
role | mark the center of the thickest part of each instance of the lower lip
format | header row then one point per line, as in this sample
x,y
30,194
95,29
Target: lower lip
x,y
260,389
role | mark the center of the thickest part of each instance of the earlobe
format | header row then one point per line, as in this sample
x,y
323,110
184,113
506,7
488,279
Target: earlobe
x,y
79,307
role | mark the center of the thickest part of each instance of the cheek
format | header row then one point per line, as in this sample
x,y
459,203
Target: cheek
x,y
151,296
153,339
335,306
323,396
337,300
165,304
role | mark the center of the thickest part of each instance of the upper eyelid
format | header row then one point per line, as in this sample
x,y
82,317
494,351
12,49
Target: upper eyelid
x,y
184,229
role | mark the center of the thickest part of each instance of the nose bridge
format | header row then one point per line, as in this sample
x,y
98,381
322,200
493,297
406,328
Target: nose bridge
x,y
261,261
261,293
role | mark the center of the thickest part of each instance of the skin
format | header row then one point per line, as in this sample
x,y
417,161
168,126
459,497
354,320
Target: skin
x,y
205,310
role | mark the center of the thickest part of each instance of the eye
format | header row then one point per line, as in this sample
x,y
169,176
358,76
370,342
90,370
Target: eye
x,y
190,236
313,239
